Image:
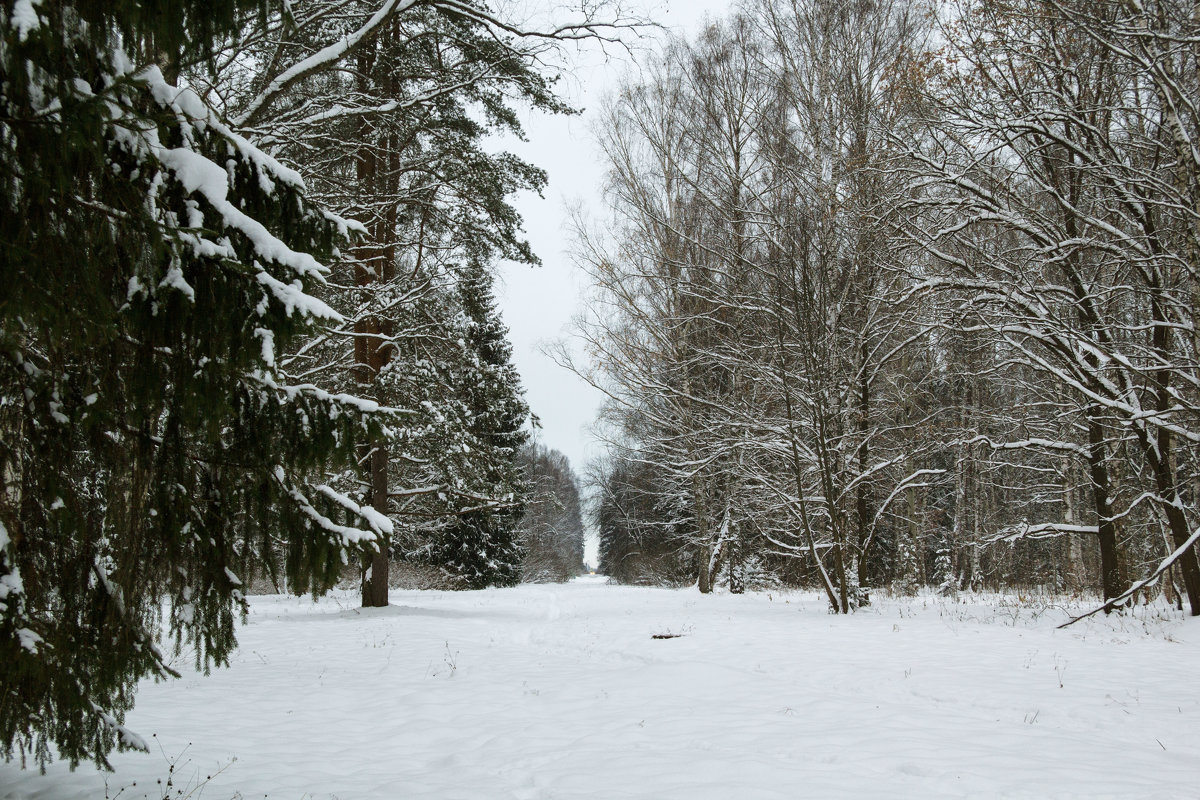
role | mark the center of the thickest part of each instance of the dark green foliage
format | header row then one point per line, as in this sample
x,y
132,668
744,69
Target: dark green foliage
x,y
152,458
479,546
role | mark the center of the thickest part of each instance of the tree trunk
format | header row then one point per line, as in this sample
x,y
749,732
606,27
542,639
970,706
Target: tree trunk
x,y
1161,454
368,355
1177,523
1075,567
839,563
862,506
375,583
704,582
1110,570
706,579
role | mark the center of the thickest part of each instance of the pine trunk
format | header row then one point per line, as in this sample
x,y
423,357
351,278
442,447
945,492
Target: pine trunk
x,y
368,358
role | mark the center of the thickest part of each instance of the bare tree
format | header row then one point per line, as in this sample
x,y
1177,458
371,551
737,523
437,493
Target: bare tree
x,y
1048,163
744,328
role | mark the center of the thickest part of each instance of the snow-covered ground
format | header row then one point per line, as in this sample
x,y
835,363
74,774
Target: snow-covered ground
x,y
561,692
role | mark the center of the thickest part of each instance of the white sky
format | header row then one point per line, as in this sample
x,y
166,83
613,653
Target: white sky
x,y
538,303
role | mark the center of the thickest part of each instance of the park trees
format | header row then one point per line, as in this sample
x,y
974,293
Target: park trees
x,y
869,296
551,529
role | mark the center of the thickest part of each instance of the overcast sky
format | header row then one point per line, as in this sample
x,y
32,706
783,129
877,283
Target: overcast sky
x,y
538,303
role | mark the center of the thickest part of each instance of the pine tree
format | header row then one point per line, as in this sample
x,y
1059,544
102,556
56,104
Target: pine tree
x,y
395,133
153,264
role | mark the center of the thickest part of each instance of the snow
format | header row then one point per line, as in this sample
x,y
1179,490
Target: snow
x,y
268,345
197,174
29,639
25,18
127,737
561,692
380,523
348,536
11,585
174,279
327,55
293,297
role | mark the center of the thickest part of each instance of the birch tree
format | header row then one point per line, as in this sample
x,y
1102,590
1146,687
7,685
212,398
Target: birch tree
x,y
1057,141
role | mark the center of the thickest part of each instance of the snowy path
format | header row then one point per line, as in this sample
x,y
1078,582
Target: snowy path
x,y
560,692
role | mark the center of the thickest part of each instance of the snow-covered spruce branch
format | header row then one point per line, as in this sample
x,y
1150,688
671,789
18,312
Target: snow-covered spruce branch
x,y
378,522
342,534
126,737
144,638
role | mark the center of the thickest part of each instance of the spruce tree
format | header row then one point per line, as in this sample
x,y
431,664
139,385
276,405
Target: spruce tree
x,y
153,263
480,545
943,571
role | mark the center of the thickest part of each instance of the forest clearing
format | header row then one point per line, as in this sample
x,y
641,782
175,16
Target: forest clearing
x,y
859,455
562,691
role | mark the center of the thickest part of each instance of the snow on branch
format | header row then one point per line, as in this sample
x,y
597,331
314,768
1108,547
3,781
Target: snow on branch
x,y
201,176
1045,530
1149,580
197,174
11,585
128,738
378,522
319,60
293,298
1045,444
290,392
346,535
912,481
190,108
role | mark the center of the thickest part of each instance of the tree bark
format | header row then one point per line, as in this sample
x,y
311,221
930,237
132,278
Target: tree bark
x,y
375,584
862,506
1110,570
369,356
